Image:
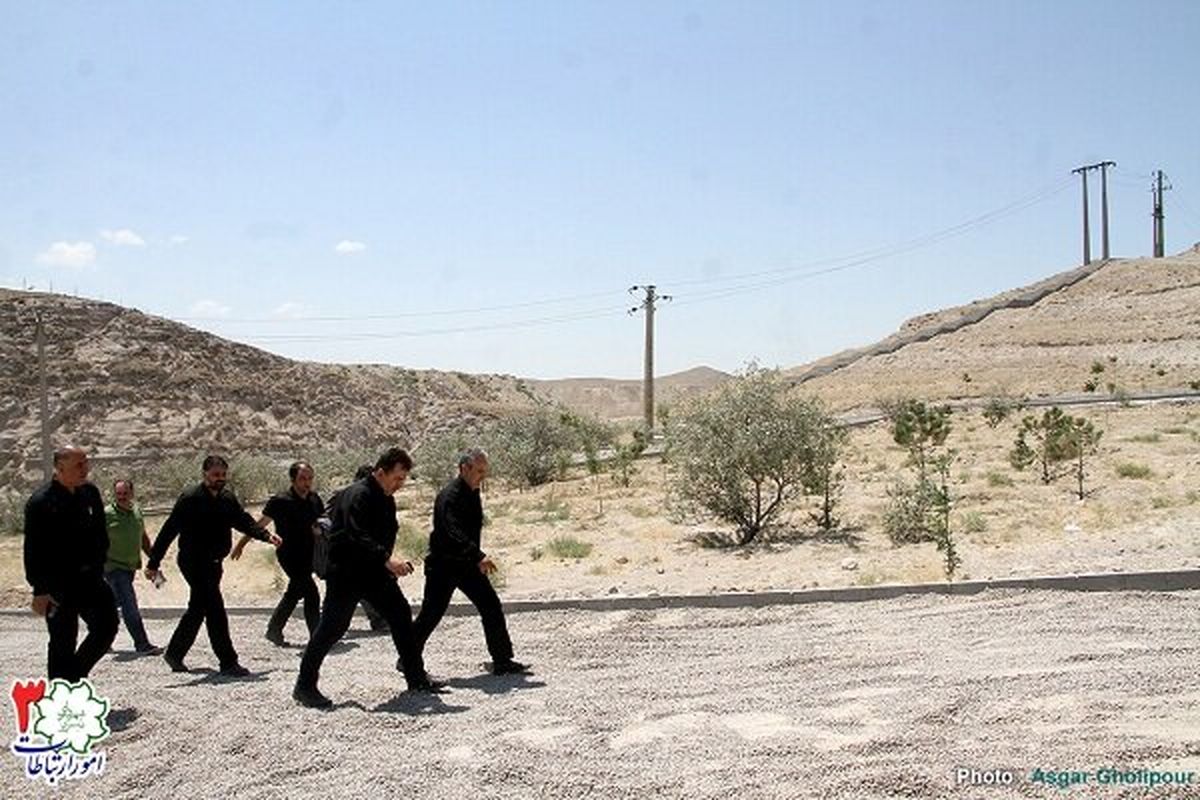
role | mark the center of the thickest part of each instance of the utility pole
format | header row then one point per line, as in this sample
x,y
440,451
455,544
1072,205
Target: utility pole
x,y
1087,233
1157,189
1104,165
47,456
647,305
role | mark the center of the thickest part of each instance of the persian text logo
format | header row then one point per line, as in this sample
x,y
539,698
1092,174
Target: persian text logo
x,y
57,727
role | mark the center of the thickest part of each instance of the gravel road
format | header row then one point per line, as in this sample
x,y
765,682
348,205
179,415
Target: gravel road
x,y
857,700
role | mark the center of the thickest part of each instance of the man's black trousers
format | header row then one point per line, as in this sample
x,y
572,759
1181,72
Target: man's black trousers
x,y
343,590
206,605
301,587
92,601
441,579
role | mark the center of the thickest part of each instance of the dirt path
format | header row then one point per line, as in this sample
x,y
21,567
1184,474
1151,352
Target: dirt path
x,y
869,700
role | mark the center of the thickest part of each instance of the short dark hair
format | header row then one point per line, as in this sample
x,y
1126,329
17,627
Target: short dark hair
x,y
296,466
389,458
125,481
363,471
211,461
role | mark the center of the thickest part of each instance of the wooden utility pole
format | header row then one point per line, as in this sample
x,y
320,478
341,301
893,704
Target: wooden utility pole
x,y
647,305
47,453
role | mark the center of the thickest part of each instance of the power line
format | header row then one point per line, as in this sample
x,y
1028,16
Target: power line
x,y
738,284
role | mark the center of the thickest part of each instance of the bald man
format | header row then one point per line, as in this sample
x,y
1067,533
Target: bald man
x,y
65,547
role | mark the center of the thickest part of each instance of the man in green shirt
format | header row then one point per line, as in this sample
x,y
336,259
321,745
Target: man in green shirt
x,y
127,540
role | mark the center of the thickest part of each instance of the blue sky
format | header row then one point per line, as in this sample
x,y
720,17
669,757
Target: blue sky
x,y
475,186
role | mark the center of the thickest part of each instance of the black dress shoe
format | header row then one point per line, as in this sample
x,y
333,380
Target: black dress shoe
x,y
176,664
427,686
311,697
510,667
276,638
235,671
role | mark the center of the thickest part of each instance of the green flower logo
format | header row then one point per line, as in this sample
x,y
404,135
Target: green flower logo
x,y
73,715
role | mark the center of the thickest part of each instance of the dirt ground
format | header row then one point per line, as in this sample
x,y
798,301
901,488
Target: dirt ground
x,y
846,700
1007,523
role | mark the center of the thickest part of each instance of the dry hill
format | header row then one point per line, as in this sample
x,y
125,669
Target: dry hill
x,y
1126,325
124,383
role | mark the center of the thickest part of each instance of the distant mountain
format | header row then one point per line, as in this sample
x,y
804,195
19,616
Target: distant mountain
x,y
610,398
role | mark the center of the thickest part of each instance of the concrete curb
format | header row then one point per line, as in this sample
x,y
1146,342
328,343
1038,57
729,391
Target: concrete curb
x,y
1162,581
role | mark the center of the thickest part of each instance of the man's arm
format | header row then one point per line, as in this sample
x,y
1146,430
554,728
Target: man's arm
x,y
38,553
358,524
452,515
166,534
236,553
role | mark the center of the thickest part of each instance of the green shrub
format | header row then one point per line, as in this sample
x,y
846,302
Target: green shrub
x,y
974,522
1129,469
568,547
998,479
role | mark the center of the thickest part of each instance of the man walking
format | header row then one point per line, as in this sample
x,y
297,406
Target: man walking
x,y
456,562
201,518
361,565
127,540
294,512
65,546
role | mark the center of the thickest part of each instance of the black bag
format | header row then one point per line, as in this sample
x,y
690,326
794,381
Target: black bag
x,y
322,542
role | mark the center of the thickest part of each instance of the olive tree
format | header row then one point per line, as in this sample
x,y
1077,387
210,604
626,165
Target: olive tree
x,y
744,452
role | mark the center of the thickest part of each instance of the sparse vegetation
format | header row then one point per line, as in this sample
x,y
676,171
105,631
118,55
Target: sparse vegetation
x,y
1052,440
996,479
568,547
974,522
1128,469
411,542
1145,438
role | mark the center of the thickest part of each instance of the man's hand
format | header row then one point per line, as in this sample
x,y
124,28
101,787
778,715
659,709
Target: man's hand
x,y
42,603
487,566
274,539
399,568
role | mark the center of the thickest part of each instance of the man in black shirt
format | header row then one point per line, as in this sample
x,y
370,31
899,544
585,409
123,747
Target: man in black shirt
x,y
456,562
65,546
294,512
201,518
361,564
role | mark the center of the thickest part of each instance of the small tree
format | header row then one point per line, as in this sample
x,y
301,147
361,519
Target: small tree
x,y
530,449
1083,439
1045,442
743,452
825,474
920,429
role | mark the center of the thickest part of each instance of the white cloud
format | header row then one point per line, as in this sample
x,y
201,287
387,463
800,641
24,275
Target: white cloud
x,y
123,237
347,246
65,254
176,240
209,309
289,310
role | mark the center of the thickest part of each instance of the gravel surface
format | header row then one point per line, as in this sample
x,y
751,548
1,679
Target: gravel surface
x,y
857,700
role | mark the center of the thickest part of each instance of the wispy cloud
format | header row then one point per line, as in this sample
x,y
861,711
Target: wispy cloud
x,y
209,309
289,310
123,237
348,246
177,240
66,254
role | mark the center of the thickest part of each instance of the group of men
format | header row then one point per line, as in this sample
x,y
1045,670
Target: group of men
x,y
81,559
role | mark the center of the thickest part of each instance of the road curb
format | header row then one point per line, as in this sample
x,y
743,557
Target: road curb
x,y
1160,581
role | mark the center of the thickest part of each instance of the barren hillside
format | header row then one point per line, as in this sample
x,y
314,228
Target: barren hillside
x,y
126,383
1129,325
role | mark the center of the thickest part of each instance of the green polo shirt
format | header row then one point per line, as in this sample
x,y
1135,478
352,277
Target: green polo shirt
x,y
124,537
